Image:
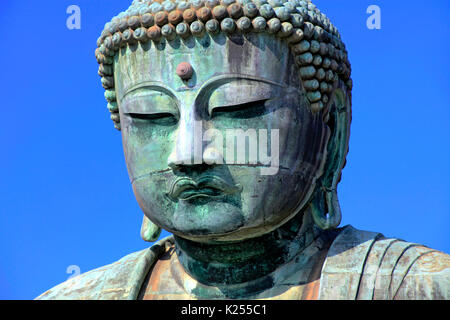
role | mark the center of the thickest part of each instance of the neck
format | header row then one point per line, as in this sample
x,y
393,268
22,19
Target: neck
x,y
243,261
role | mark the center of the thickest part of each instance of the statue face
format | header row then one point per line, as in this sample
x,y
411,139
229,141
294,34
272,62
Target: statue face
x,y
244,95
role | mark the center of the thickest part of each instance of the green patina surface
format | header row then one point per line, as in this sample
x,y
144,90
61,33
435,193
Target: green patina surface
x,y
253,67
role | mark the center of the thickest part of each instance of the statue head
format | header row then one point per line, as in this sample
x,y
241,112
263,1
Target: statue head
x,y
234,115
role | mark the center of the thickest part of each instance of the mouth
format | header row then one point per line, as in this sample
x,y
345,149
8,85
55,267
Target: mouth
x,y
206,187
192,193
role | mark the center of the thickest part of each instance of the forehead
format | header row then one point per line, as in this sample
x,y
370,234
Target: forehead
x,y
258,55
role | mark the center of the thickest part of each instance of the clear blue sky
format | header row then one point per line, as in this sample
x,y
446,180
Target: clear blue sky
x,y
64,190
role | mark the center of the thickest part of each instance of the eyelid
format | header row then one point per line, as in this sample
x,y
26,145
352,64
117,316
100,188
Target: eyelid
x,y
147,116
251,99
150,103
242,91
236,105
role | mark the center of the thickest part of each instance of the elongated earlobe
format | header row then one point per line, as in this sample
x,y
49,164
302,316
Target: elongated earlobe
x,y
150,232
330,216
325,209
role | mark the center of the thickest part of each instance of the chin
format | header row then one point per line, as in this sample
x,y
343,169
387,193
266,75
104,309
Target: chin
x,y
206,218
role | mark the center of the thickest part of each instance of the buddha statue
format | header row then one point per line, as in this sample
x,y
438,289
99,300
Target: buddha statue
x,y
193,85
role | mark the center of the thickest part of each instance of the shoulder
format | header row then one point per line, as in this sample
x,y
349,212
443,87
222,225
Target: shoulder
x,y
116,281
417,273
367,265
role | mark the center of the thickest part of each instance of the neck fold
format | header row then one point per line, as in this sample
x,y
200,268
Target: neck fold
x,y
247,260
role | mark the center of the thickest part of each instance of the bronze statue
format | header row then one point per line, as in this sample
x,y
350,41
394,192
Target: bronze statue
x,y
203,91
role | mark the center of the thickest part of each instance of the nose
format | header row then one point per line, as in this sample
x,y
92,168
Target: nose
x,y
186,145
193,147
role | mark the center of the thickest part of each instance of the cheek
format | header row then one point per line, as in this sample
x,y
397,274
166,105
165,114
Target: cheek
x,y
302,139
146,148
150,192
269,199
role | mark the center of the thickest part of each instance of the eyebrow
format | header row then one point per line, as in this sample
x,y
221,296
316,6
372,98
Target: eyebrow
x,y
156,85
239,76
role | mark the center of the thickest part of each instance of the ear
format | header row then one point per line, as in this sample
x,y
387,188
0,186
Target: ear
x,y
150,232
326,210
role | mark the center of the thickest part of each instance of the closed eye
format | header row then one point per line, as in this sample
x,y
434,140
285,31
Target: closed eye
x,y
164,118
242,111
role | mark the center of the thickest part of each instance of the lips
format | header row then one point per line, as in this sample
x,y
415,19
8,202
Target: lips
x,y
191,193
186,188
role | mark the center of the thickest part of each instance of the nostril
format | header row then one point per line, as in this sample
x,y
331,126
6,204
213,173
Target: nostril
x,y
178,168
177,165
177,159
172,165
189,169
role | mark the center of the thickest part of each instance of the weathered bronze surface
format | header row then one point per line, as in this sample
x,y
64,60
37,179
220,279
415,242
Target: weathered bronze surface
x,y
188,83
